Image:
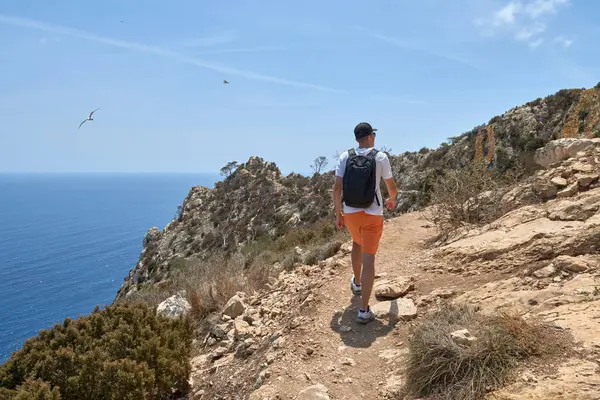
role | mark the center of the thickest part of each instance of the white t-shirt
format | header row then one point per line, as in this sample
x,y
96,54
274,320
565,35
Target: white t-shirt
x,y
384,170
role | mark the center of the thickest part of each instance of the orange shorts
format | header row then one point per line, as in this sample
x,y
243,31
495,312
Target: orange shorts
x,y
366,230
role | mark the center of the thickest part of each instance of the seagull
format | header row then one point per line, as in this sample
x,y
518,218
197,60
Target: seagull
x,y
225,81
88,118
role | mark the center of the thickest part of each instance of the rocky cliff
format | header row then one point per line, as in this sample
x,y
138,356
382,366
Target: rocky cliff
x,y
257,201
504,142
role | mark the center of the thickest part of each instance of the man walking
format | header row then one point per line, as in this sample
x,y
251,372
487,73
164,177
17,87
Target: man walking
x,y
357,183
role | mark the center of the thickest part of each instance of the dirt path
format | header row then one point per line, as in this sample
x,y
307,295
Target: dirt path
x,y
352,360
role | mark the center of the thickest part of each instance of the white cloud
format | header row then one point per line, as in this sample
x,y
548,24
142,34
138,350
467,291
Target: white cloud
x,y
563,41
507,15
538,8
528,32
534,44
158,51
525,20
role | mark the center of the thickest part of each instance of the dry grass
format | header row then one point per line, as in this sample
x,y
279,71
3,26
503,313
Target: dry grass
x,y
468,196
442,369
210,282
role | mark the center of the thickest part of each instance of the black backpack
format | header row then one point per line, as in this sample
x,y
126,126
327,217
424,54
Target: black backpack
x,y
359,182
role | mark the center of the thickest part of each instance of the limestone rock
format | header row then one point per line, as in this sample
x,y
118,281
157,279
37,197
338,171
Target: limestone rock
x,y
463,337
442,293
265,392
241,328
545,272
393,289
570,191
153,235
173,307
559,181
402,308
545,190
234,307
558,150
572,264
316,392
585,180
581,167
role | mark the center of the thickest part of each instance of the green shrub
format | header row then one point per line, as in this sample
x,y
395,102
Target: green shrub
x,y
31,389
121,352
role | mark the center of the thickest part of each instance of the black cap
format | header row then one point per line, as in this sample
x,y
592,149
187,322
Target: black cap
x,y
363,129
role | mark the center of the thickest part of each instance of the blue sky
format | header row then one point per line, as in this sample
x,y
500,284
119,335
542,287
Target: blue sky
x,y
302,75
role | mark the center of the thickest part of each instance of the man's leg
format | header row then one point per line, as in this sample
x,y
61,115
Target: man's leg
x,y
357,260
353,221
371,231
367,279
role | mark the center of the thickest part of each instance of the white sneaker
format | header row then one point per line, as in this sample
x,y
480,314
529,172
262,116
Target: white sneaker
x,y
365,316
356,289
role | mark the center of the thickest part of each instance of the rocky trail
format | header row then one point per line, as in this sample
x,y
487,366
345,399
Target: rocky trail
x,y
352,360
299,339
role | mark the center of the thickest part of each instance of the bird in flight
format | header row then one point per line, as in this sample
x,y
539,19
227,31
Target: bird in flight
x,y
225,81
88,118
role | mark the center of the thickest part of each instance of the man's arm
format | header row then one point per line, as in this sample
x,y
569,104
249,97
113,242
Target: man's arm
x,y
393,192
388,178
337,200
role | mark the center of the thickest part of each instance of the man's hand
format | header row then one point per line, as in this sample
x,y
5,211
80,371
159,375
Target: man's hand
x,y
340,221
390,204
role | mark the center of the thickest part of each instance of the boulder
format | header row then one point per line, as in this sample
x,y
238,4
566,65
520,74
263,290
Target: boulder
x,y
581,167
558,150
402,308
559,181
570,191
316,392
234,307
544,189
393,289
585,180
174,307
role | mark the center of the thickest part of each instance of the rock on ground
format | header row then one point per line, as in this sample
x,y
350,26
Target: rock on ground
x,y
561,149
316,392
266,392
394,288
463,337
403,309
173,307
234,307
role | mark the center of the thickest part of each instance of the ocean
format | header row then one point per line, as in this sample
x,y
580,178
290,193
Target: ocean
x,y
68,240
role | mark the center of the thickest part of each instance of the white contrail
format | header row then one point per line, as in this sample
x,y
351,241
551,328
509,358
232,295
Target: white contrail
x,y
410,46
60,30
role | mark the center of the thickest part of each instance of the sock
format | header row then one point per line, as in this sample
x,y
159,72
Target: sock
x,y
364,311
354,281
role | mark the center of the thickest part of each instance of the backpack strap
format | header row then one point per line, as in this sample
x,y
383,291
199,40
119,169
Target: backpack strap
x,y
372,153
351,153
